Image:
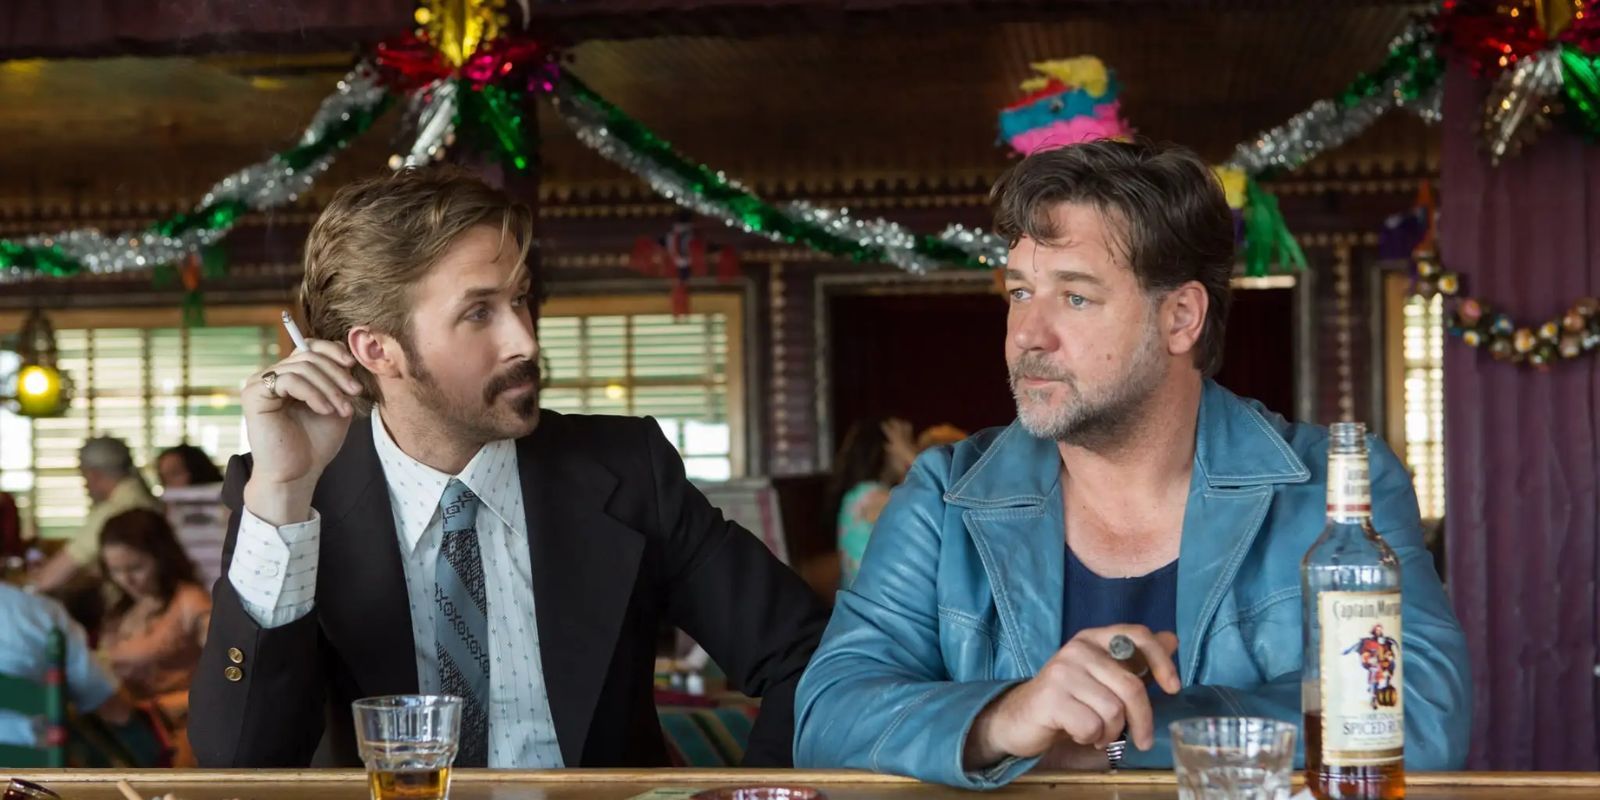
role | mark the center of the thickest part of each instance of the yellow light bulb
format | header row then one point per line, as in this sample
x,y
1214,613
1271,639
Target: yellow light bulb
x,y
38,391
35,380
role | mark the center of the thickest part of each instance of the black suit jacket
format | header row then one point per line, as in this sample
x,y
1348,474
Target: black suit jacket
x,y
620,540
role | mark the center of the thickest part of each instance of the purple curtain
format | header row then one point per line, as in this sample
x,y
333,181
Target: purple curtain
x,y
1523,510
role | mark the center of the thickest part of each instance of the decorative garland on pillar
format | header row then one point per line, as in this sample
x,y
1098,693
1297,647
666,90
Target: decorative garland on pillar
x,y
1483,324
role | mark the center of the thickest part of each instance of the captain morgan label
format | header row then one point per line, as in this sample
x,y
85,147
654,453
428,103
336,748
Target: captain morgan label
x,y
1349,487
1363,719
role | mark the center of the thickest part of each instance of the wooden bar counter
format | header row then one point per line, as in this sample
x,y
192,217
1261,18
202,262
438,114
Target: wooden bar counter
x,y
624,784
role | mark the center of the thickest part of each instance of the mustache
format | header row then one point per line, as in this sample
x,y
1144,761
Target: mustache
x,y
522,374
1036,365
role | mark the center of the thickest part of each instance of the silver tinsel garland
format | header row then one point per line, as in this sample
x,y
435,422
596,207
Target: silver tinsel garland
x,y
1328,124
1323,126
986,247
897,242
1514,111
431,111
272,183
267,184
588,123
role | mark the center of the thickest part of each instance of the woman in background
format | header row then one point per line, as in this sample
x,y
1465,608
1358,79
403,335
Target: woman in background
x,y
186,465
872,460
156,625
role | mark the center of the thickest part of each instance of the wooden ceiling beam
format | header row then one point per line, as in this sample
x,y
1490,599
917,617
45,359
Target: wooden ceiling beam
x,y
107,28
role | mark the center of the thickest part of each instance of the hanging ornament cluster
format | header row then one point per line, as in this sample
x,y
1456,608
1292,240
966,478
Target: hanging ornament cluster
x,y
209,263
1071,100
1074,100
679,255
1263,233
1541,56
460,69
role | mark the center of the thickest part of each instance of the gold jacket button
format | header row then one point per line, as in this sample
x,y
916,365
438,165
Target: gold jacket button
x,y
235,655
233,674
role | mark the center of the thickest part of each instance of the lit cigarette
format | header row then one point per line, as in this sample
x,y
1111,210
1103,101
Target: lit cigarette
x,y
294,332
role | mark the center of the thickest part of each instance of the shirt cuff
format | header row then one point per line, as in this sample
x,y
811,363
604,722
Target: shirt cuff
x,y
274,569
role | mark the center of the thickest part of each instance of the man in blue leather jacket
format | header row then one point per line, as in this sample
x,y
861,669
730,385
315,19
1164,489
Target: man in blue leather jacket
x,y
1133,495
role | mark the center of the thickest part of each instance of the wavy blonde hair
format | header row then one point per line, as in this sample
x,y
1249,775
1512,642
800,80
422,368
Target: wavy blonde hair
x,y
378,238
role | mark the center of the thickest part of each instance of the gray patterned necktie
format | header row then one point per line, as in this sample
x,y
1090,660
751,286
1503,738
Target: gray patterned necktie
x,y
461,629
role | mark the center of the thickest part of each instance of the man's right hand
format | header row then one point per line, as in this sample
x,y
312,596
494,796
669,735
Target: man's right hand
x,y
1081,694
295,427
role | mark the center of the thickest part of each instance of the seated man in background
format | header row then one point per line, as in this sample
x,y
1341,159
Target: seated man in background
x,y
1133,496
24,653
114,486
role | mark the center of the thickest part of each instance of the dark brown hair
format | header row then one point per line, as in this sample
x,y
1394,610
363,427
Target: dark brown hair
x,y
1165,207
196,463
861,458
148,532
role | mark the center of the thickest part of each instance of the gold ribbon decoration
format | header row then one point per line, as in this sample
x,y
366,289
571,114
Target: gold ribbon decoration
x,y
1555,16
458,27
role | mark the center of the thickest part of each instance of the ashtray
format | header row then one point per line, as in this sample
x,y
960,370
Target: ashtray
x,y
19,789
761,793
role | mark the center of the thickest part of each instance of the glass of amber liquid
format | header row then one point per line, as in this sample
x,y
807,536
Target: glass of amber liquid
x,y
408,742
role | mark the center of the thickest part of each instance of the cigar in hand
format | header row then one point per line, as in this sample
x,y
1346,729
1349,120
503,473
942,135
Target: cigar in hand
x,y
1127,654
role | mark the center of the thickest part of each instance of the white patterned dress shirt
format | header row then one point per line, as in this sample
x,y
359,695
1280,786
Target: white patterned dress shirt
x,y
274,571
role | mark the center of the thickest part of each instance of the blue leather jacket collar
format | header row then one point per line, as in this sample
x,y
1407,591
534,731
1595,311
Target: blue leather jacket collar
x,y
1013,494
1234,446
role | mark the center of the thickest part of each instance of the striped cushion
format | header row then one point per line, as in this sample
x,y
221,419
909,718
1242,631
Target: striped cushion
x,y
707,737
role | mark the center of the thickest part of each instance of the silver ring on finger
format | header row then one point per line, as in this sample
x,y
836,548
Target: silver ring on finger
x,y
270,378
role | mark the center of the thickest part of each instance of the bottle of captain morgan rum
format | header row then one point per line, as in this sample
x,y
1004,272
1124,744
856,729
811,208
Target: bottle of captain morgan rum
x,y
1351,683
